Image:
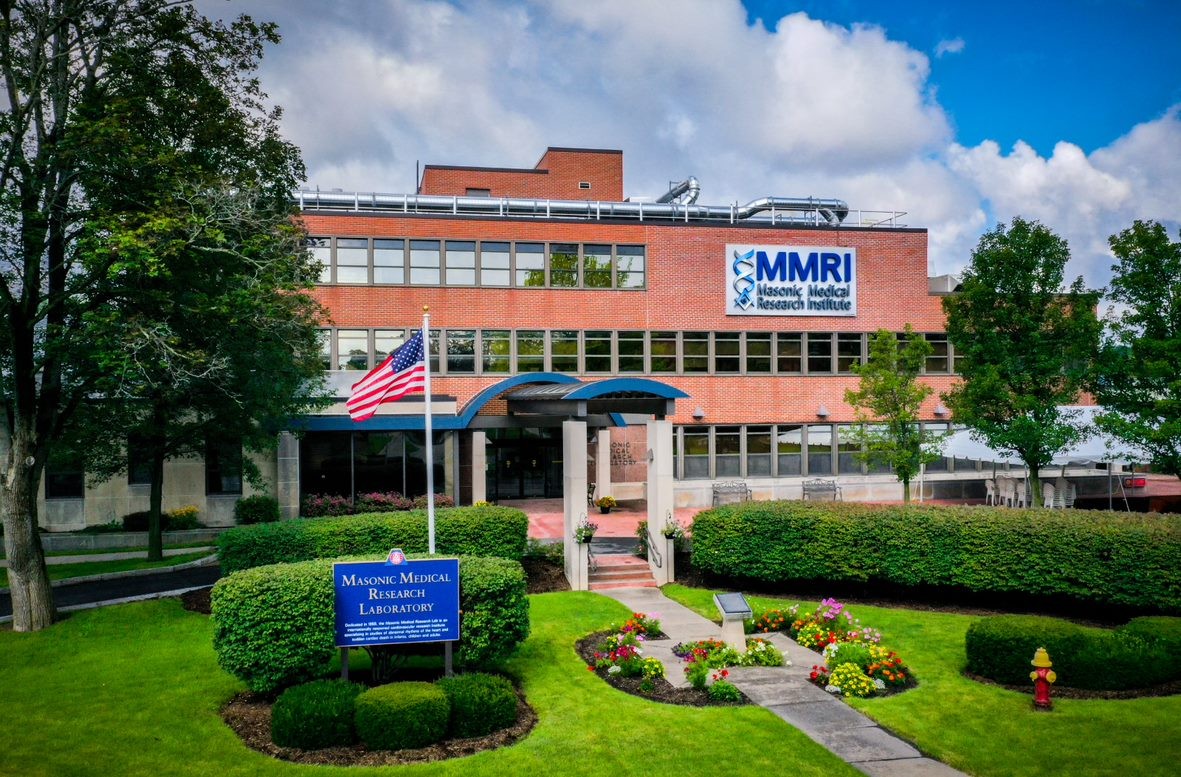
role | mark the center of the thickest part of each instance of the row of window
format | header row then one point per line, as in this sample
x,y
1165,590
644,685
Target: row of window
x,y
223,471
606,351
781,451
420,262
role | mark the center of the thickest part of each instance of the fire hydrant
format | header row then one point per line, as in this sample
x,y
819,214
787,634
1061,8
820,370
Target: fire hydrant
x,y
1042,677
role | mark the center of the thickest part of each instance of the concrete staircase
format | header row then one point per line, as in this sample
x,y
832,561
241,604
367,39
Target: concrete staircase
x,y
620,571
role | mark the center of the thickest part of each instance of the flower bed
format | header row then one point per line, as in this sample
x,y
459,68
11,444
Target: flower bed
x,y
855,664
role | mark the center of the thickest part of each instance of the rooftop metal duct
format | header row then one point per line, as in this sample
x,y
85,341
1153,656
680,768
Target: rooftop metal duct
x,y
831,210
688,187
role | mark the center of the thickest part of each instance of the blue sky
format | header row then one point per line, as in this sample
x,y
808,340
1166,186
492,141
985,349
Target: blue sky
x,y
959,115
1082,71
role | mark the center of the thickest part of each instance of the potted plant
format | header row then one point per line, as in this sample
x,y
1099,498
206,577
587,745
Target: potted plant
x,y
673,530
605,503
585,531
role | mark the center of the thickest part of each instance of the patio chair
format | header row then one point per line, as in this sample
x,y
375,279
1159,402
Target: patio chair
x,y
1004,488
1048,496
590,494
990,492
1065,493
1020,493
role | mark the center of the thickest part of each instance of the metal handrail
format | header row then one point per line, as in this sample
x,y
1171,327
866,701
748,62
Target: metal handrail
x,y
654,552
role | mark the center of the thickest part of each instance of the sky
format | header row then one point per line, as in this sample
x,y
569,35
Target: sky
x,y
962,115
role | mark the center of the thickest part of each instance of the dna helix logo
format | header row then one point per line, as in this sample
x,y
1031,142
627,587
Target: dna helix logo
x,y
744,282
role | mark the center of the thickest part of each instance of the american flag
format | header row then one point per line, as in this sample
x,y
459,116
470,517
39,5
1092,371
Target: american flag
x,y
403,372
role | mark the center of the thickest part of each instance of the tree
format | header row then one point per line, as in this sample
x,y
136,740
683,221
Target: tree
x,y
1138,377
887,403
1024,345
96,93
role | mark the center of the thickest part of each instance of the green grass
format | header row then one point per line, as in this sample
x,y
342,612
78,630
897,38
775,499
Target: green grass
x,y
987,730
135,690
140,549
85,568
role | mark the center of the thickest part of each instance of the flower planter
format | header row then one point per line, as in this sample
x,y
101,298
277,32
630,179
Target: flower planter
x,y
604,510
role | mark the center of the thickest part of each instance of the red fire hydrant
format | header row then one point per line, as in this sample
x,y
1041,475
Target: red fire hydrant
x,y
1042,677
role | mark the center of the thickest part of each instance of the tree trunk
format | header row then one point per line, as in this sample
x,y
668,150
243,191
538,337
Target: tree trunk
x,y
28,581
906,490
156,495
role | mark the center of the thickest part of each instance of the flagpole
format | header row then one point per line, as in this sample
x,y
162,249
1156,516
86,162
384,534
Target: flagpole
x,y
430,449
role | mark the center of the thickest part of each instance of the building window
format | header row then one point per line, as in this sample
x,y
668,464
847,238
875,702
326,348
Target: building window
x,y
385,342
325,338
494,264
495,349
728,451
820,449
461,351
631,351
321,248
530,264
848,450
596,266
939,361
424,262
64,477
139,461
352,349
352,260
758,451
727,356
223,467
472,192
598,351
664,352
697,452
389,261
789,352
789,448
758,352
630,269
461,263
530,350
696,351
819,353
848,351
584,185
564,350
563,265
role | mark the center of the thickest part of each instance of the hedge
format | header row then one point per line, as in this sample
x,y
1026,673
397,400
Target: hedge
x,y
1115,558
1141,654
274,625
315,715
402,715
459,531
480,704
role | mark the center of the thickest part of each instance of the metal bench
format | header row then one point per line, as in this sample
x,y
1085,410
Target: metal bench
x,y
731,491
821,490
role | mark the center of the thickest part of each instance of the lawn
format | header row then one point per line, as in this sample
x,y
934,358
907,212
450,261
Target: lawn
x,y
85,568
135,690
987,730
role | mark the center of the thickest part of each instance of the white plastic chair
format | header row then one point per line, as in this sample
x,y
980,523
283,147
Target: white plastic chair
x,y
1049,495
1004,488
990,492
1065,493
1019,493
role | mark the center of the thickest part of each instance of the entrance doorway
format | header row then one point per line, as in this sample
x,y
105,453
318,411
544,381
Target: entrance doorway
x,y
524,464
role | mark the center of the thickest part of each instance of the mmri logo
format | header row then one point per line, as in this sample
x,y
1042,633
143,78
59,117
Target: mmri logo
x,y
744,278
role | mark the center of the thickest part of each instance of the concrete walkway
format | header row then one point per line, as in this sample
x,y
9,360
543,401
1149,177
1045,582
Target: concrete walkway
x,y
115,555
853,737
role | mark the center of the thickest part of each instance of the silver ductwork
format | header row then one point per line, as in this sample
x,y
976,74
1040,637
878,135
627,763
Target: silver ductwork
x,y
831,210
688,187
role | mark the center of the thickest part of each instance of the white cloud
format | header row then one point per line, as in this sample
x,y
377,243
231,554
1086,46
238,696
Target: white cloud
x,y
807,108
949,46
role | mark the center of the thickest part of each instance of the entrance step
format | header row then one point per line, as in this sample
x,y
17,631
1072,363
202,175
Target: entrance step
x,y
620,571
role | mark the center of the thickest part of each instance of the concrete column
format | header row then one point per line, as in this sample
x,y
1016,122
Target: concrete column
x,y
660,494
287,475
479,466
603,463
574,500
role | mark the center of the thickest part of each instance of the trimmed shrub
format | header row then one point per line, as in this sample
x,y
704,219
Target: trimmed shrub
x,y
383,502
315,715
402,715
183,518
274,625
259,508
1131,559
317,505
480,704
1138,655
138,521
461,531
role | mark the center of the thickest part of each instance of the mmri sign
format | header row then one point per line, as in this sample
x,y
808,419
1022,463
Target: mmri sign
x,y
791,280
397,601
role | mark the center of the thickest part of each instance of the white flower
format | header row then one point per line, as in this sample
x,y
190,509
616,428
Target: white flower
x,y
879,683
832,689
615,670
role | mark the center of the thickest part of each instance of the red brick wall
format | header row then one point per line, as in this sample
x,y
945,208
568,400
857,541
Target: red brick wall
x,y
556,177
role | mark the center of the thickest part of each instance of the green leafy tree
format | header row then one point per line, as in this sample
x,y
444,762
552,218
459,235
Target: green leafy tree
x,y
1024,344
97,94
1138,378
888,403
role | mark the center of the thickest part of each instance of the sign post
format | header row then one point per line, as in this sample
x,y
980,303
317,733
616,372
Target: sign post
x,y
396,602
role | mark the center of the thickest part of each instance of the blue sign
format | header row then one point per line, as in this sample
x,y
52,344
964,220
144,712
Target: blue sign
x,y
396,602
768,280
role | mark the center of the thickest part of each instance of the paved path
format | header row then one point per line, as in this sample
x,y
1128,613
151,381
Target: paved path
x,y
115,555
853,737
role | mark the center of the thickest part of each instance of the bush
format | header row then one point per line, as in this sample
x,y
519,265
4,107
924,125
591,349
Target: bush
x,y
466,531
1141,654
402,715
138,521
317,505
480,704
274,626
259,508
315,715
847,653
183,518
1127,559
383,503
